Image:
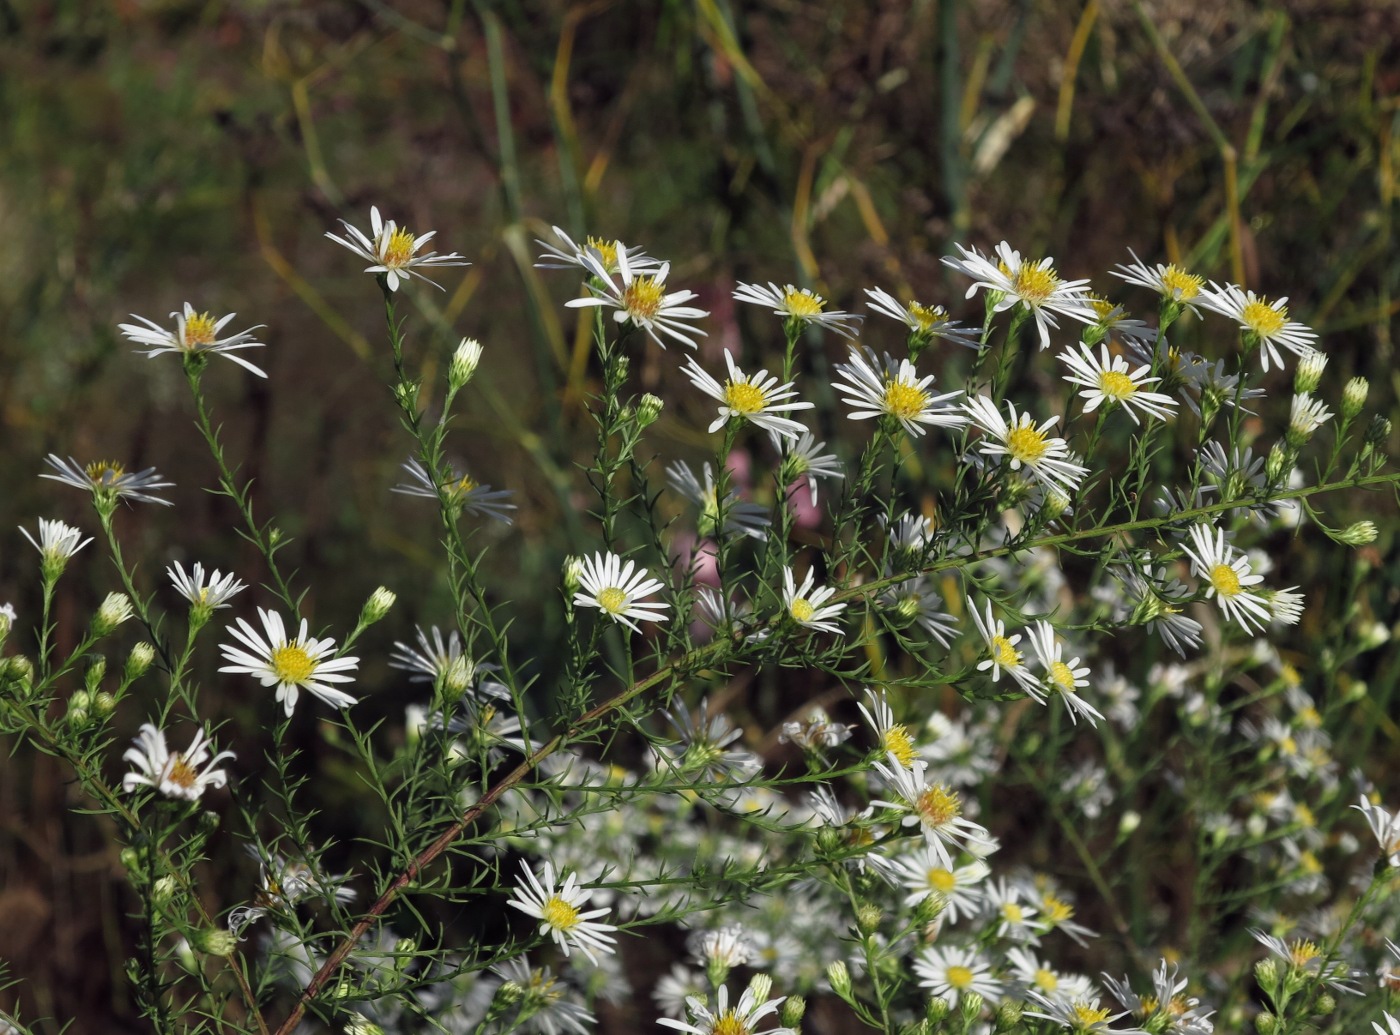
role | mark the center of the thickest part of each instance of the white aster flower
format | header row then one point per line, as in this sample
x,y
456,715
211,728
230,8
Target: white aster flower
x,y
556,906
569,255
1082,1016
393,250
1062,678
459,491
740,516
1305,416
1018,281
548,1006
935,807
292,665
1167,1009
673,989
925,322
953,971
57,541
1022,443
1265,323
1285,606
805,603
756,398
743,1018
282,883
800,304
1002,654
1229,576
916,600
805,460
108,480
194,334
618,590
815,731
705,751
1170,281
1304,957
894,389
923,872
1385,826
174,774
1110,380
211,593
727,947
640,299
892,739
438,658
1006,908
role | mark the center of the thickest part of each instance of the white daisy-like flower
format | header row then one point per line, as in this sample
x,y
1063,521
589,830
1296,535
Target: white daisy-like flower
x,y
743,1018
934,807
641,298
174,774
673,989
923,873
953,971
1285,606
807,605
459,491
57,541
1385,826
194,334
1006,907
1305,957
1002,654
925,322
209,593
284,882
1157,599
892,739
756,398
1110,380
393,250
549,1006
1019,281
706,749
916,600
108,480
438,658
1263,322
1082,1016
1062,678
1229,576
1111,319
1024,444
805,460
1305,416
799,304
292,665
728,947
1167,1007
740,516
894,389
556,906
569,255
618,590
1170,281
1029,971
909,533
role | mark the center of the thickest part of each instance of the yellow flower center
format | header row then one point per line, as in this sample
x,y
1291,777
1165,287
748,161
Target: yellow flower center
x,y
1013,912
1004,653
802,610
612,600
199,331
291,664
941,880
1116,385
743,397
1034,284
642,299
904,400
730,1023
803,304
1062,676
1309,863
1288,746
1026,444
1262,318
959,977
559,914
180,772
927,316
938,806
398,249
1179,284
1301,953
1102,307
104,472
607,251
1045,980
897,742
1225,580
464,486
1055,910
1087,1016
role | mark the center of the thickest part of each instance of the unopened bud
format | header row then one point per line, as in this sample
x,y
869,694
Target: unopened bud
x,y
1008,1015
359,1024
794,1007
508,994
163,891
1265,1023
380,602
648,410
1325,1004
1129,822
104,704
139,660
96,669
406,395
929,909
7,620
115,609
936,1010
464,363
77,716
1378,431
1266,973
839,978
1354,396
868,918
573,572
971,1004
215,941
1307,415
130,858
761,985
1309,373
1056,503
80,699
1361,533
1276,466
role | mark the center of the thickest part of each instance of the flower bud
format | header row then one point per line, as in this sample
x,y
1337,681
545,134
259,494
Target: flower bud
x,y
868,918
1307,415
1354,396
508,994
929,909
104,704
215,941
130,858
163,891
936,1010
1266,973
1325,1004
7,620
464,363
1055,504
1378,431
762,986
138,661
839,978
1008,1015
359,1024
380,602
1309,373
1360,533
1265,1023
648,410
1276,466
573,571
115,609
971,1005
1129,822
793,1008
96,669
80,699
76,716
406,395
